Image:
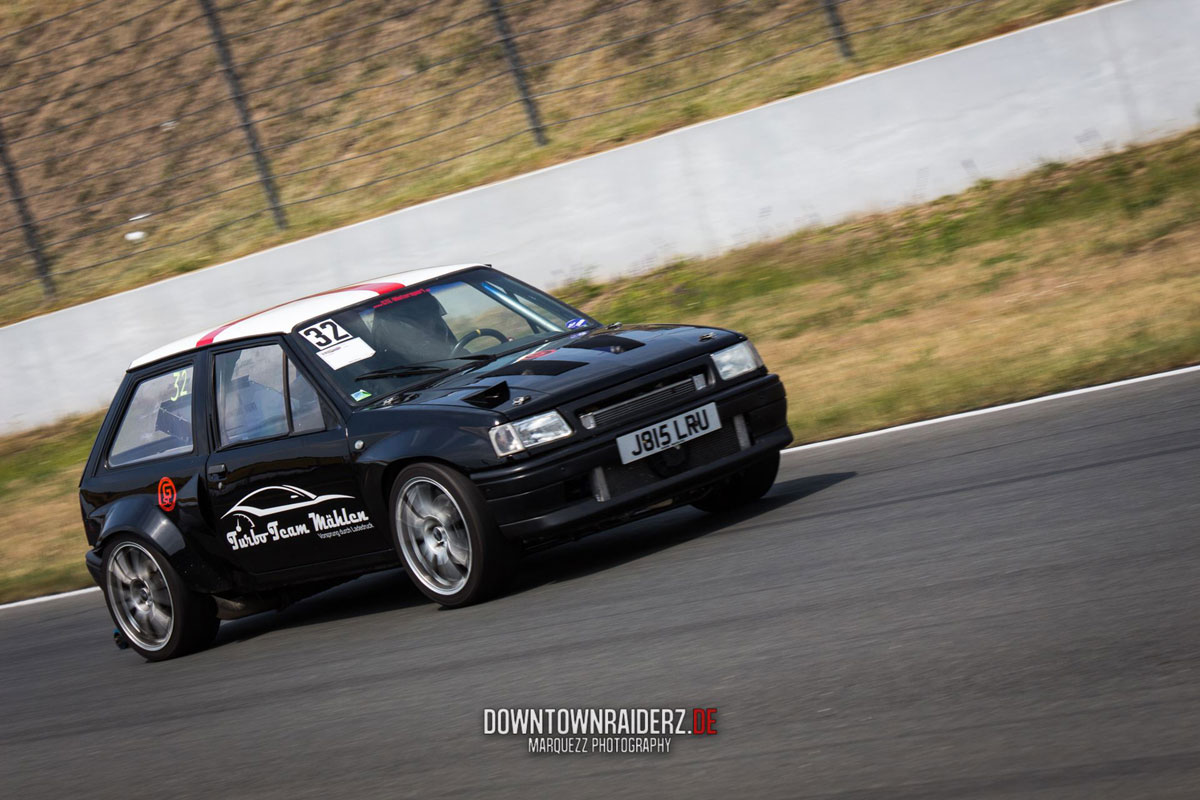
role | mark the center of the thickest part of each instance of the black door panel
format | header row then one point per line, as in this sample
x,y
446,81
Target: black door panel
x,y
282,490
289,502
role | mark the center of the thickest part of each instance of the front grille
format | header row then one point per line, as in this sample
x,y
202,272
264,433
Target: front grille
x,y
638,406
623,478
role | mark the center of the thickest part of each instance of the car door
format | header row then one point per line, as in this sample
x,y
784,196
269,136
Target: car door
x,y
280,480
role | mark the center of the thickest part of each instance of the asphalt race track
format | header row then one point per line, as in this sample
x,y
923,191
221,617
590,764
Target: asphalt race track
x,y
1001,606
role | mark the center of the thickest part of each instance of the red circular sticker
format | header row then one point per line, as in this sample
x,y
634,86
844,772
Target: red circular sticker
x,y
166,494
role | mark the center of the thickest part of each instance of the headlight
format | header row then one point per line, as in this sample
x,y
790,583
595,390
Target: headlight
x,y
736,360
514,437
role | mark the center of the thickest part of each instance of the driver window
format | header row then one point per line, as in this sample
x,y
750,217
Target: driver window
x,y
251,402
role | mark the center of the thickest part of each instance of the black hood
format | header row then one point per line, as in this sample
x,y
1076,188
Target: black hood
x,y
564,369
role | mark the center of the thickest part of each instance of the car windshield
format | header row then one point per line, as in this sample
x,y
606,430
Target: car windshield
x,y
405,338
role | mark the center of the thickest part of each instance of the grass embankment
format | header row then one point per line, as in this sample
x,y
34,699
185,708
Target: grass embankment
x,y
385,90
41,536
1070,276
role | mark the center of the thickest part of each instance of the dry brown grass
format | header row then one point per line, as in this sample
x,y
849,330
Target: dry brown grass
x,y
42,544
67,203
957,346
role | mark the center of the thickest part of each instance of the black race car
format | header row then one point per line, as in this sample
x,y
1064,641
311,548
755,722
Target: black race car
x,y
448,419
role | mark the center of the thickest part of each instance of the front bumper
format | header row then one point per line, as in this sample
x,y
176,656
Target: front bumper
x,y
583,486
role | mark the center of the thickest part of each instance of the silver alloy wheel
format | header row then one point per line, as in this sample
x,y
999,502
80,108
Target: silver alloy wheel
x,y
140,597
433,535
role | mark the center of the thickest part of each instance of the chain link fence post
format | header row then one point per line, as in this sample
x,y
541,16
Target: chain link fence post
x,y
32,240
839,30
239,100
517,69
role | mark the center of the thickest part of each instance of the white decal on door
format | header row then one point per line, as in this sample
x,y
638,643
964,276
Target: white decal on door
x,y
253,524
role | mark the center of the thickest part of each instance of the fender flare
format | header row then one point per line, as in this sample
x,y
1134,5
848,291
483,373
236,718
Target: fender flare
x,y
459,448
140,517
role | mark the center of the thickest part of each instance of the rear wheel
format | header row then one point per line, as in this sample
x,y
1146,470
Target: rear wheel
x,y
155,612
742,488
446,537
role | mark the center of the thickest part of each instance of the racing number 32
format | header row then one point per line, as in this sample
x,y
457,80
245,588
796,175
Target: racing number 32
x,y
180,386
325,333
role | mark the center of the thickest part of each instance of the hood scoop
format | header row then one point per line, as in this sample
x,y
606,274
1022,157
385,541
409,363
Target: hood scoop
x,y
490,397
605,343
538,366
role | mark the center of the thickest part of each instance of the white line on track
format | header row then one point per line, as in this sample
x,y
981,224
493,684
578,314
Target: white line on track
x,y
993,409
46,598
964,415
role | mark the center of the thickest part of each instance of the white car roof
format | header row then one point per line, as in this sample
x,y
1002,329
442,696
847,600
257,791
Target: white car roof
x,y
282,318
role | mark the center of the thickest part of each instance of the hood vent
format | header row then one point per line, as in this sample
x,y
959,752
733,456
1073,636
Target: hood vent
x,y
536,366
489,397
606,343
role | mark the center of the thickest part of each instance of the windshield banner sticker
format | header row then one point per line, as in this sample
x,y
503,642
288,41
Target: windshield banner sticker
x,y
257,517
387,301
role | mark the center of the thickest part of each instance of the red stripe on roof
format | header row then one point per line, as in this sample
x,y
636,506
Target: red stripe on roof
x,y
377,288
207,338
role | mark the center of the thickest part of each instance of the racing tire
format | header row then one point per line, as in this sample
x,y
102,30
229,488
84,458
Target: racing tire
x,y
156,614
446,537
743,488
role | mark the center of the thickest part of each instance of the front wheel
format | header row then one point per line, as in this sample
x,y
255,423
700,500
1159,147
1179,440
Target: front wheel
x,y
446,537
742,488
156,613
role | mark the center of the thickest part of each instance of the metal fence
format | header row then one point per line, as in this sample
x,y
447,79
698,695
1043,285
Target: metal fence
x,y
149,137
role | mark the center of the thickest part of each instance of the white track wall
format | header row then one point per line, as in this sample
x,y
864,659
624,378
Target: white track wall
x,y
1067,89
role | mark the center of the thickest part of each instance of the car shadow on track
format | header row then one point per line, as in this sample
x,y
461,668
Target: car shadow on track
x,y
388,591
636,540
376,593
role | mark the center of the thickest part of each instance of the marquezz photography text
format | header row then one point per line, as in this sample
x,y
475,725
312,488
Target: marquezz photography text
x,y
599,730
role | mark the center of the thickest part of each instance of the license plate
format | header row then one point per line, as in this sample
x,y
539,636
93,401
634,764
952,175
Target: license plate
x,y
668,433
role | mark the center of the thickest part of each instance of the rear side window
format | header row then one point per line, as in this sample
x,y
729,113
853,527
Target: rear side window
x,y
157,421
261,395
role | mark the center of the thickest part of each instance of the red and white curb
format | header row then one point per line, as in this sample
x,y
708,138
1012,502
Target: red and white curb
x,y
801,448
